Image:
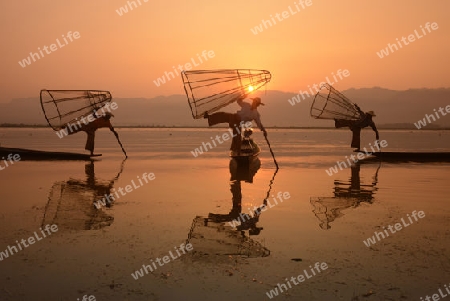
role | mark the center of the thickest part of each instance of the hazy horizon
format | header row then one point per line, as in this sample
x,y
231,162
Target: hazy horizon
x,y
262,91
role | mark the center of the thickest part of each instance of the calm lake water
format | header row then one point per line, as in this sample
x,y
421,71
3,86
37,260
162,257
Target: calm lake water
x,y
325,219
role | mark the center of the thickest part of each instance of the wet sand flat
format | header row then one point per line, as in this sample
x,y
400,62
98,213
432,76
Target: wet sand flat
x,y
326,219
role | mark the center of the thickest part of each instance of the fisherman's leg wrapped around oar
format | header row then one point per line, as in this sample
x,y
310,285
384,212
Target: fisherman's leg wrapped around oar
x,y
90,141
356,137
233,121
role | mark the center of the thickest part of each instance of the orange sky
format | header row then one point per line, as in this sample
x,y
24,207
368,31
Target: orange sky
x,y
125,54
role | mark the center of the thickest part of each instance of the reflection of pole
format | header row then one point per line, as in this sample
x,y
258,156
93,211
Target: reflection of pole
x,y
273,156
375,177
120,171
118,140
270,186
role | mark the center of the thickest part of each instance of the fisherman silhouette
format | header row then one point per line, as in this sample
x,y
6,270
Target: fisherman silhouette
x,y
248,112
356,126
91,127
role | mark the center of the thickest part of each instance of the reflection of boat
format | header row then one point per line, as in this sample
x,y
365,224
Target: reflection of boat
x,y
244,169
412,156
30,154
225,234
346,195
70,203
249,148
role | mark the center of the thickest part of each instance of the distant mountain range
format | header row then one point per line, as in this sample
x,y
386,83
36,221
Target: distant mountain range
x,y
394,109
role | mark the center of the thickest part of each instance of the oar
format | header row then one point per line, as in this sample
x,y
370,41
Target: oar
x,y
273,155
118,140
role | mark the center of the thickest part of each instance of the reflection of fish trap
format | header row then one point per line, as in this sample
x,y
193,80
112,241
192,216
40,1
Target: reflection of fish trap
x,y
327,209
217,238
70,207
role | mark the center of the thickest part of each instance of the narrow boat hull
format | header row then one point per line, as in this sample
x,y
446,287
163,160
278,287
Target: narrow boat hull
x,y
30,154
413,156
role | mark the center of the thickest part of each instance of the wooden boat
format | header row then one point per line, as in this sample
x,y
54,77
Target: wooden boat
x,y
413,156
31,154
249,148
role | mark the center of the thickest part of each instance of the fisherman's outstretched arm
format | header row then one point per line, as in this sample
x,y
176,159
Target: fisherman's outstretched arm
x,y
374,128
259,124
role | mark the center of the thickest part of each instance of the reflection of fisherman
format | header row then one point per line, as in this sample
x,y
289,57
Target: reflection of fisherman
x,y
70,202
363,192
248,112
346,195
91,127
241,172
356,126
100,189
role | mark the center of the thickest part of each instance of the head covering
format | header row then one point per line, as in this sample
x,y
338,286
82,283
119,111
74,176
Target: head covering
x,y
372,113
257,100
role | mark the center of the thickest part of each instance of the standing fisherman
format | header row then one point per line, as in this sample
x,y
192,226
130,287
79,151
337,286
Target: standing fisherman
x,y
91,127
248,112
356,126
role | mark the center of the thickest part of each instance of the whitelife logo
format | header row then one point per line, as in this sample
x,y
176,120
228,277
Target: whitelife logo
x,y
124,9
11,250
411,38
187,66
11,158
339,73
49,49
423,122
199,150
319,267
109,198
166,259
265,24
75,126
373,240
359,156
242,218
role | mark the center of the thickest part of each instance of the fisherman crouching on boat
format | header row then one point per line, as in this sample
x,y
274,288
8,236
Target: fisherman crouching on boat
x,y
91,127
248,112
356,126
